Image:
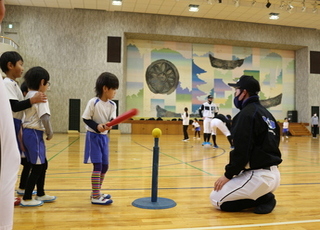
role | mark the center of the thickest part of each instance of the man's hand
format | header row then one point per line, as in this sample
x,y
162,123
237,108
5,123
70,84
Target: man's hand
x,y
39,97
220,183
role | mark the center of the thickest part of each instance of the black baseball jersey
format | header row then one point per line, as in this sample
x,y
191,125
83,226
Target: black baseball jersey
x,y
256,138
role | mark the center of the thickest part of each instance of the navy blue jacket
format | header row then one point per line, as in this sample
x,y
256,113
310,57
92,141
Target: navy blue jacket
x,y
256,138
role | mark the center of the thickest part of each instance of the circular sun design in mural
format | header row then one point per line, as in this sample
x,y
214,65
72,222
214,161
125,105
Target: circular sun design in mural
x,y
162,77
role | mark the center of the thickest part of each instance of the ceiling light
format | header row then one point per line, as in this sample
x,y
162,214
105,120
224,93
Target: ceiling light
x,y
290,7
282,4
268,4
236,3
117,2
193,8
303,9
274,16
315,10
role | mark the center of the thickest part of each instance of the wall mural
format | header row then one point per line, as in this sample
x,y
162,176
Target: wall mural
x,y
164,77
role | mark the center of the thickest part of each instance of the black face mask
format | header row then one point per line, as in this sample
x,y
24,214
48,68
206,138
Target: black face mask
x,y
237,103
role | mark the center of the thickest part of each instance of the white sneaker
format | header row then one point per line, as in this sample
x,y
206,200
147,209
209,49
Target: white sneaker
x,y
31,203
101,200
46,198
106,196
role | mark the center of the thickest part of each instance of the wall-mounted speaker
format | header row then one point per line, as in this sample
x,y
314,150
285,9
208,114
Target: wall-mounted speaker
x,y
114,49
314,62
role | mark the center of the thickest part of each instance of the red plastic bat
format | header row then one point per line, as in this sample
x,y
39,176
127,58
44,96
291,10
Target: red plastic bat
x,y
126,115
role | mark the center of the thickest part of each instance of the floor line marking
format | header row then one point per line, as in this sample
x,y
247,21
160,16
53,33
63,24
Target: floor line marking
x,y
248,225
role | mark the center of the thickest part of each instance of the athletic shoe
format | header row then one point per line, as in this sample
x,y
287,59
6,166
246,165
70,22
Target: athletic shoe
x,y
21,192
46,198
231,147
17,201
105,196
215,146
266,204
101,200
31,203
204,143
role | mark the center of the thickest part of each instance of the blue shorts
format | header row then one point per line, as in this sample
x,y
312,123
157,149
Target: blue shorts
x,y
96,148
285,130
35,147
18,127
197,129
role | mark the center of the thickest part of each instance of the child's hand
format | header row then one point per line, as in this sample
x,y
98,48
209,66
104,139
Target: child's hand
x,y
103,127
49,138
38,98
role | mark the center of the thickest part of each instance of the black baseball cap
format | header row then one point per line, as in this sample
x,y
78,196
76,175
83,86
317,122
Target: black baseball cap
x,y
209,96
248,83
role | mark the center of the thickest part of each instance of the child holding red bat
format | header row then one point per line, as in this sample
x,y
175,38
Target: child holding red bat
x,y
99,111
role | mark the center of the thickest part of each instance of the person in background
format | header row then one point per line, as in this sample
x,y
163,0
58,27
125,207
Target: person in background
x,y
197,128
207,111
314,125
285,128
222,123
185,124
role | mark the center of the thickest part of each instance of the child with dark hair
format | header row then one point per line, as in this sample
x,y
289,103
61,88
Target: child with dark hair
x,y
197,128
11,64
285,128
99,111
185,124
24,88
36,123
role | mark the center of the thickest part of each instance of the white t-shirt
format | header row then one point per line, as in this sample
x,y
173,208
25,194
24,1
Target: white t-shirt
x,y
196,124
14,93
185,118
33,114
100,112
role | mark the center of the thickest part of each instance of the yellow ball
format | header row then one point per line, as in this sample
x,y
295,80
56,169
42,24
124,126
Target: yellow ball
x,y
156,133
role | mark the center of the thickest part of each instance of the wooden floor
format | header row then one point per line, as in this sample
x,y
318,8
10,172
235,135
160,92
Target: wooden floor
x,y
187,171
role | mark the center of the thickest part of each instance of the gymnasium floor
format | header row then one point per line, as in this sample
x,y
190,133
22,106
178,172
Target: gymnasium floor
x,y
187,172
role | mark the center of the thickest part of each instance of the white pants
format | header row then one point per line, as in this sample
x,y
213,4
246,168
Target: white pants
x,y
207,125
9,161
217,123
250,184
